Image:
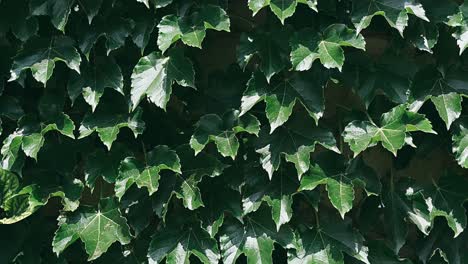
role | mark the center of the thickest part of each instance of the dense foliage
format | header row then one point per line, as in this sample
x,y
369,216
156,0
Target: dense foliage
x,y
216,131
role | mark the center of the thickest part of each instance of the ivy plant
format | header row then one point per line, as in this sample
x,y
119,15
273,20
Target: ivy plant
x,y
226,131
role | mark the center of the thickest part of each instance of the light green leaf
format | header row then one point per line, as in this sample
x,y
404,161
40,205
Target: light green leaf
x,y
98,229
222,131
146,173
395,12
40,55
392,131
307,46
340,177
192,28
460,141
155,74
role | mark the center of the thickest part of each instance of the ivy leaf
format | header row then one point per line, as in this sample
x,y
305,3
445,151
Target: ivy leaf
x,y
145,23
390,75
460,23
59,11
395,211
115,33
155,3
392,131
40,55
92,81
280,97
295,141
212,214
395,12
441,243
178,243
9,184
340,177
98,229
444,90
155,74
271,46
147,174
185,186
445,198
307,46
191,29
281,8
31,198
30,136
277,193
222,131
104,164
327,242
255,238
14,16
460,141
107,122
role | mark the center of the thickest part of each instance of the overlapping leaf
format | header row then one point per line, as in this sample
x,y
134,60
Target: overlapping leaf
x,y
281,8
392,132
222,131
340,177
295,142
395,12
191,29
307,46
281,97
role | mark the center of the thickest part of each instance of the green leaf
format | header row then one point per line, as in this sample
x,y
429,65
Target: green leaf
x,y
396,210
191,29
104,72
31,198
390,75
307,46
327,242
185,186
146,174
14,16
395,12
214,209
271,46
295,141
255,239
102,164
115,33
9,184
280,97
392,132
222,131
340,178
443,88
108,120
178,243
41,54
155,3
441,243
445,198
281,8
98,229
460,141
155,74
277,193
460,23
